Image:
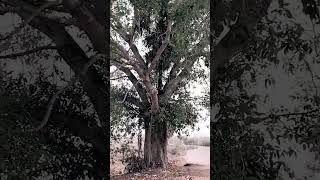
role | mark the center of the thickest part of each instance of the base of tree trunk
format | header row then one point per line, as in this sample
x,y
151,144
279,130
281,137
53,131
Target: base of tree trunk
x,y
155,146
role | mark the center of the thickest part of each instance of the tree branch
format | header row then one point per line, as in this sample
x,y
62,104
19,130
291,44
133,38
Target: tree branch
x,y
174,79
89,23
234,39
174,70
273,116
50,107
129,38
124,52
133,47
116,78
27,21
312,79
15,55
28,8
123,100
163,46
172,85
117,63
226,28
141,91
137,54
57,94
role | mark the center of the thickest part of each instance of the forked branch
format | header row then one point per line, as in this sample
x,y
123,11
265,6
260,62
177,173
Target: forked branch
x,y
58,93
226,24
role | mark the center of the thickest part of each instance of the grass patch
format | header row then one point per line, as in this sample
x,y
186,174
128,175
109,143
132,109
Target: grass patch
x,y
196,141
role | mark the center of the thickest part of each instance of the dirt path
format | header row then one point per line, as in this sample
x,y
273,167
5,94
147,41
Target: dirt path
x,y
198,162
200,155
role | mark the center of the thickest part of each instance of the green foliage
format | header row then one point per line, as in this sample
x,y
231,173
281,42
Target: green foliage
x,y
179,116
133,162
247,140
54,150
239,150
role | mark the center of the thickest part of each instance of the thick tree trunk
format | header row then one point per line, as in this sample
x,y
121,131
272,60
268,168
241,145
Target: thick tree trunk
x,y
155,146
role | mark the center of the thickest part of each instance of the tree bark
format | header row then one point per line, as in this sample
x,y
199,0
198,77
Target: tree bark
x,y
155,145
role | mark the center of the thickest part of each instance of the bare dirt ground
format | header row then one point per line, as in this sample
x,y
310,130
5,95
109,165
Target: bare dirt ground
x,y
193,164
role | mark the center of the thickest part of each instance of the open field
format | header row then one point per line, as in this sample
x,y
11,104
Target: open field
x,y
199,141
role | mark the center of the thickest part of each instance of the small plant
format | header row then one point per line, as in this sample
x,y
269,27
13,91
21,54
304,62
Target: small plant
x,y
134,164
130,158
